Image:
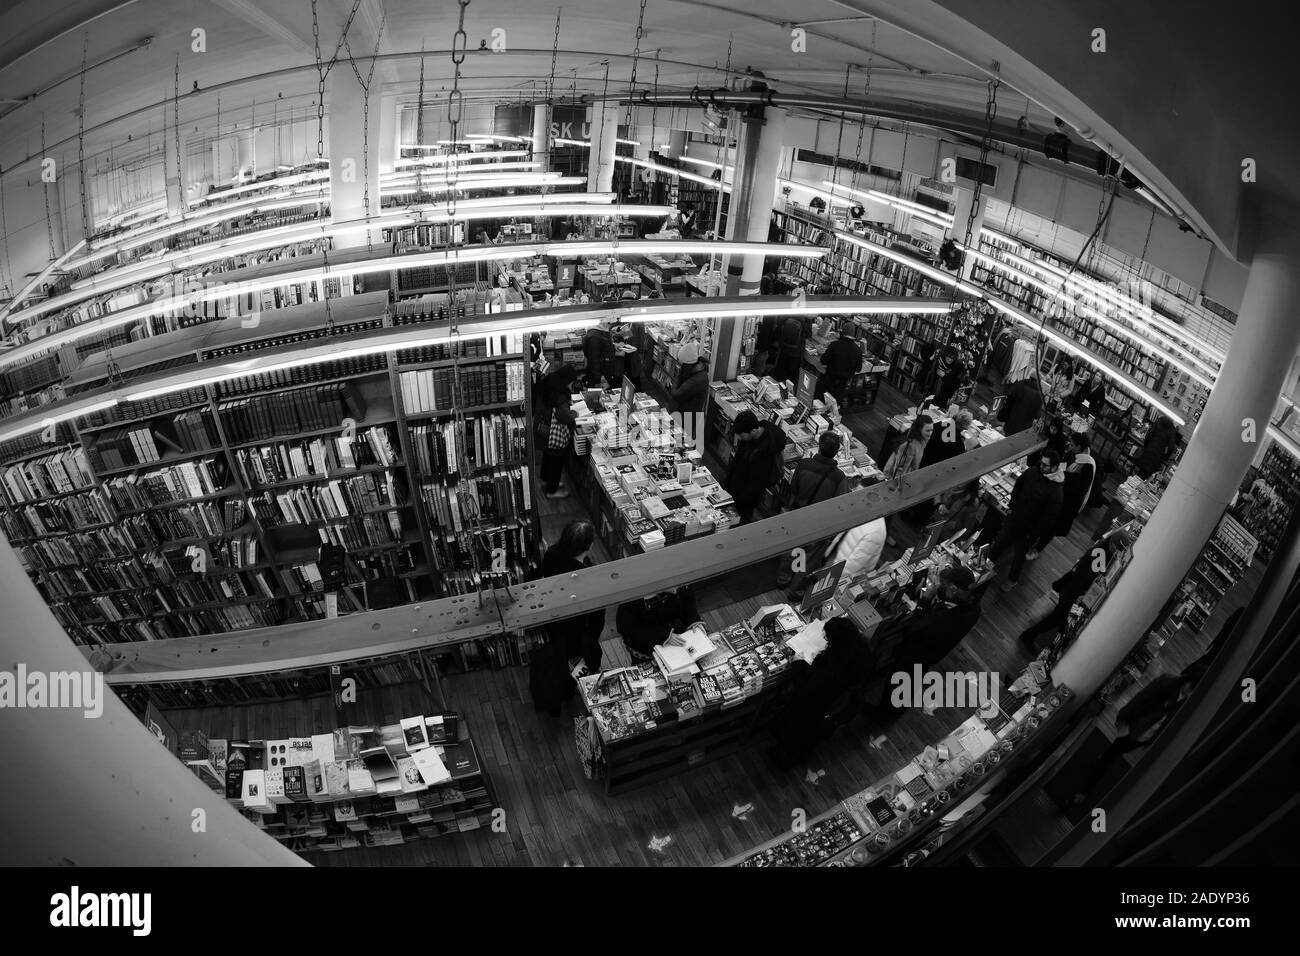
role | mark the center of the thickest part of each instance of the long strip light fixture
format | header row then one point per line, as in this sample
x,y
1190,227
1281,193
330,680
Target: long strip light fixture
x,y
507,181
1120,330
553,204
903,205
32,286
385,340
278,182
1116,298
646,164
453,159
366,266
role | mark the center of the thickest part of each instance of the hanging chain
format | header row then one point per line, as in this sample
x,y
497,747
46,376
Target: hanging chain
x,y
862,127
365,119
636,56
839,139
81,141
455,104
986,144
321,72
419,129
176,128
49,220
555,52
11,289
654,110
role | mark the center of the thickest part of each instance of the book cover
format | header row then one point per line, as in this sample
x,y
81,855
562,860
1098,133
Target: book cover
x,y
409,776
461,762
430,766
414,733
295,784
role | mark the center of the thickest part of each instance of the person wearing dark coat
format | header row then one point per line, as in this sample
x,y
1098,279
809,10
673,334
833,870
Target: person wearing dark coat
x,y
815,479
1031,519
645,623
1080,473
1024,402
1089,389
842,360
1071,586
554,403
759,447
693,390
1162,438
550,678
948,610
1057,439
789,342
821,693
598,347
765,344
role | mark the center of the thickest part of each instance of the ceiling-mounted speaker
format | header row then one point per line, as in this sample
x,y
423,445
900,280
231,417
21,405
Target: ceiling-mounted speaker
x,y
857,211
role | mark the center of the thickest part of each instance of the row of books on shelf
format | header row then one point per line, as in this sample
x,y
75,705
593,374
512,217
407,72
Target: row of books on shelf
x,y
60,515
501,497
366,531
170,483
56,473
144,408
354,367
333,498
468,563
498,651
302,337
492,346
292,411
443,389
440,449
315,458
203,519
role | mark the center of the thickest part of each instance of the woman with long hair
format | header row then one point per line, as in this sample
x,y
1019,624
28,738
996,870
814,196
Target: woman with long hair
x,y
907,456
550,671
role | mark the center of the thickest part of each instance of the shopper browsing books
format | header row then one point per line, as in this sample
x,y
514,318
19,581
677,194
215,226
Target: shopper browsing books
x,y
646,622
790,339
1162,438
822,694
1031,518
756,462
1024,402
1071,586
693,388
815,479
555,420
598,348
842,360
551,677
907,457
1080,472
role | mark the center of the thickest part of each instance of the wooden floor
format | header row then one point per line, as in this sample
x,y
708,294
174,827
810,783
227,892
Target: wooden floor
x,y
556,817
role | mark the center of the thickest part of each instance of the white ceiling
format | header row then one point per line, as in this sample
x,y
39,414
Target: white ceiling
x,y
260,52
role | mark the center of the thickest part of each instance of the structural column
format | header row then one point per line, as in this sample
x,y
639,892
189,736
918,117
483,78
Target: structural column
x,y
91,785
1264,341
542,136
604,141
345,150
749,217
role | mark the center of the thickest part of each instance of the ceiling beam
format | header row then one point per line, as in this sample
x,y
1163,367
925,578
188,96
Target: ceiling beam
x,y
268,24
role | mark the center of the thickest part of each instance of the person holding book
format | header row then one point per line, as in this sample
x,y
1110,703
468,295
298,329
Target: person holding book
x,y
551,667
822,694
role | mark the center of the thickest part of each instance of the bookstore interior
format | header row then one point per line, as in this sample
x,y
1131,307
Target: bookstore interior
x,y
405,428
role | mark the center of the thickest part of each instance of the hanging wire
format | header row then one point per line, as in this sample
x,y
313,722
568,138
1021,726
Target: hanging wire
x,y
714,261
365,119
45,186
11,289
81,141
419,130
862,127
176,129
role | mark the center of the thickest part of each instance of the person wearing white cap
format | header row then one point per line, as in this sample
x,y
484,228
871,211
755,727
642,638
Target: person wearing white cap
x,y
693,388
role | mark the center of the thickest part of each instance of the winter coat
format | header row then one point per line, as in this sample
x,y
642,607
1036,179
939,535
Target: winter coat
x,y
1078,485
790,337
752,463
598,347
907,457
579,636
1036,502
646,622
1159,445
842,358
937,450
1022,406
859,548
815,479
932,633
692,393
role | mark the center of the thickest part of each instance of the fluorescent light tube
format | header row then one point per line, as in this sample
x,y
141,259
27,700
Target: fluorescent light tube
x,y
72,411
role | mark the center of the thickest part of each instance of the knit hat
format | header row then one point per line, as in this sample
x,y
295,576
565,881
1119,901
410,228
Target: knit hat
x,y
689,353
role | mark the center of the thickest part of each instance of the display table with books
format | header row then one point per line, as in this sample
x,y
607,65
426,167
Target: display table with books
x,y
899,819
359,785
644,484
704,694
802,424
